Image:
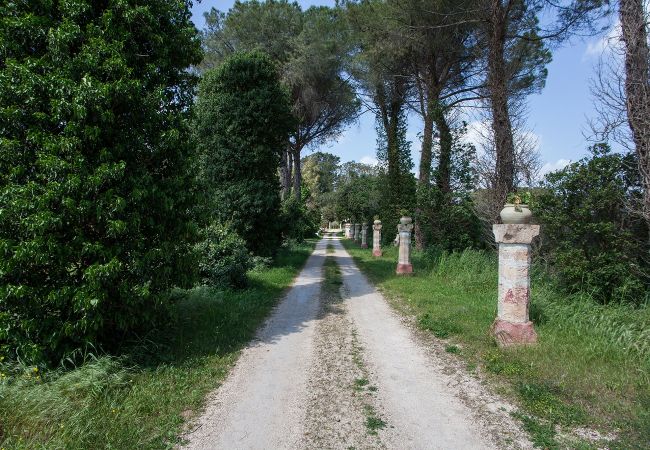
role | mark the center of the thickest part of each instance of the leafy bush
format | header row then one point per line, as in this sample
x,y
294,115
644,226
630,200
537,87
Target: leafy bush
x,y
242,124
298,221
224,258
446,222
94,155
591,236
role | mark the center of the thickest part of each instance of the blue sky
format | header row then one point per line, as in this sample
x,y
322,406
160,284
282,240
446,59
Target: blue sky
x,y
557,116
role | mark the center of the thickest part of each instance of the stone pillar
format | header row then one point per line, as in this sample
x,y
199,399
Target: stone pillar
x,y
364,235
512,325
357,231
376,238
404,265
348,234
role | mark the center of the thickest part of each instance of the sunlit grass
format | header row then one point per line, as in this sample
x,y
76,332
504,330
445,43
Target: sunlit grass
x,y
590,368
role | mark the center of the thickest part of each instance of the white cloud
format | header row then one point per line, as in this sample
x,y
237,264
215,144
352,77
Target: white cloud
x,y
552,167
604,44
367,159
477,131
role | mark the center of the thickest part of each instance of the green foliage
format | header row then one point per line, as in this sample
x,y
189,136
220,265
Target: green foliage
x,y
320,172
453,349
591,238
396,187
94,180
143,399
498,362
243,121
542,434
270,27
224,258
359,198
374,423
522,197
440,327
447,223
298,222
543,401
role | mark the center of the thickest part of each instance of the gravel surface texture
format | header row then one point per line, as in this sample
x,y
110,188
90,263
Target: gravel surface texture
x,y
342,370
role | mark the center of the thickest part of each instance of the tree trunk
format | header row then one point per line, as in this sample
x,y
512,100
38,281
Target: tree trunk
x,y
424,177
285,174
637,88
427,145
391,109
443,180
498,92
297,174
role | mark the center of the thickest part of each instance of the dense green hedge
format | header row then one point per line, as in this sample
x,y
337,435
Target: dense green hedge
x,y
243,119
94,150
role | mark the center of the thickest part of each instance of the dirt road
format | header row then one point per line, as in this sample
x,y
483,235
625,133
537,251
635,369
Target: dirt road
x,y
345,371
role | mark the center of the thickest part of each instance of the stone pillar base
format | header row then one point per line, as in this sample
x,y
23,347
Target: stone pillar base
x,y
404,269
509,334
364,245
376,253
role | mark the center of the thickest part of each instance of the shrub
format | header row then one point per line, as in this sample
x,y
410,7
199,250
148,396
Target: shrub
x,y
242,124
298,222
94,154
224,258
591,237
447,222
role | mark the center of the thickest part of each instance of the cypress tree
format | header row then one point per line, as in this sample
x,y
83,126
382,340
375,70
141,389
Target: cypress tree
x,y
242,125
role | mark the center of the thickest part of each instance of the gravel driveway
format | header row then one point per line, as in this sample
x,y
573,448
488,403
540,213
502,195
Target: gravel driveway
x,y
347,372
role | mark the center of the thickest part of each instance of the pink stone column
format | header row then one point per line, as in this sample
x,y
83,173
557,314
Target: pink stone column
x,y
376,238
404,266
364,235
512,325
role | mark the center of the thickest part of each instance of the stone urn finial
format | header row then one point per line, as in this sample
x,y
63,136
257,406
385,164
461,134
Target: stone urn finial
x,y
516,211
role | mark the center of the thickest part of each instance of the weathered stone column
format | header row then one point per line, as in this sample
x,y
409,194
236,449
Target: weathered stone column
x,y
357,231
376,238
348,234
512,325
364,235
404,266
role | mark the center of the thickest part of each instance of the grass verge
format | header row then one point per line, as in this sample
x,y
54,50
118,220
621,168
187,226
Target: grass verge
x,y
591,367
142,399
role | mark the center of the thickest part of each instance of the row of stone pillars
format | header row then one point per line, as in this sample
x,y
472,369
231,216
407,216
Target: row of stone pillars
x,y
512,325
359,232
